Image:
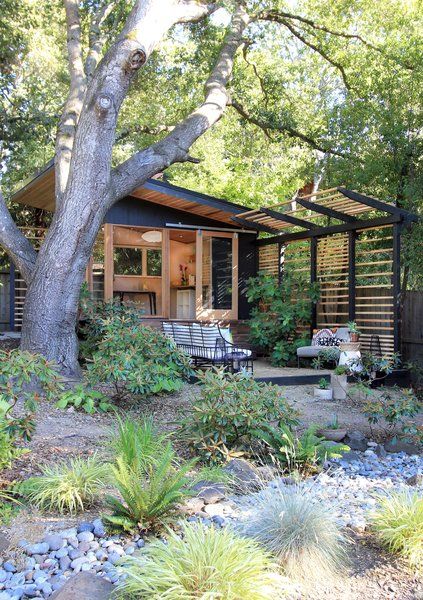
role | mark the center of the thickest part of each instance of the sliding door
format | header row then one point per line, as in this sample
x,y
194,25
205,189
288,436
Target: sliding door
x,y
216,275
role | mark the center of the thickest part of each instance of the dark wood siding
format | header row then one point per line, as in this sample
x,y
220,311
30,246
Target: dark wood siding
x,y
132,211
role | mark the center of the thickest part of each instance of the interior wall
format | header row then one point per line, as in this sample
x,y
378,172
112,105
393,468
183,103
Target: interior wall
x,y
181,253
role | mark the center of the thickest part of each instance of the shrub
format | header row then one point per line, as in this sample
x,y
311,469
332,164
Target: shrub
x,y
282,307
398,522
228,410
150,491
25,376
84,398
137,441
304,453
298,531
66,486
394,409
203,563
137,359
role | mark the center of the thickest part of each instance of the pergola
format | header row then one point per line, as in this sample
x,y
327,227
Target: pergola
x,y
351,244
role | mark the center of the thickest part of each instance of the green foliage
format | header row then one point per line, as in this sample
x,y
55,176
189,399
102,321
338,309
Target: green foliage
x,y
85,398
230,407
398,522
25,376
299,531
148,477
352,327
66,487
137,441
327,357
282,308
136,359
323,384
202,563
394,410
305,453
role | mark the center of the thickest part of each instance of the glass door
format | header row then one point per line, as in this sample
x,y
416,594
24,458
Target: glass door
x,y
217,275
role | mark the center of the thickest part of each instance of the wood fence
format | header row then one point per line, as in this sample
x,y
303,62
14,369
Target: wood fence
x,y
412,327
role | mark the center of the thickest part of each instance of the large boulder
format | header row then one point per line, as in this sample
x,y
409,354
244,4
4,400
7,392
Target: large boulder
x,y
84,586
246,476
356,440
209,492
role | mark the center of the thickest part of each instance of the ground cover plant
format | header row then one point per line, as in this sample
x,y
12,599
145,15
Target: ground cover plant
x,y
202,563
300,532
150,479
281,307
85,398
67,486
136,359
305,453
398,523
222,419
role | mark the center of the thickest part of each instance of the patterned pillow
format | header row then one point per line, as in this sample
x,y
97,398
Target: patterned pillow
x,y
321,334
328,341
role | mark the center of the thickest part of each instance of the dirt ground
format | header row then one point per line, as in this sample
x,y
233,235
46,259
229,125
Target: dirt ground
x,y
372,575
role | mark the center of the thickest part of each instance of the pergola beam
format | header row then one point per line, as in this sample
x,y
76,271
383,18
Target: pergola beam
x,y
253,225
378,205
279,216
323,231
325,210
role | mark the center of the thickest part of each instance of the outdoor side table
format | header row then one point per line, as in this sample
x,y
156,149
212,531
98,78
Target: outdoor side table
x,y
350,356
238,361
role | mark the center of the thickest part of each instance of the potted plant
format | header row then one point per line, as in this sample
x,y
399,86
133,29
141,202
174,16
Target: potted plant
x,y
339,382
353,331
332,431
323,391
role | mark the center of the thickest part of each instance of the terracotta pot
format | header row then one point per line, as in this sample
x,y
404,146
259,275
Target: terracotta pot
x,y
333,435
323,394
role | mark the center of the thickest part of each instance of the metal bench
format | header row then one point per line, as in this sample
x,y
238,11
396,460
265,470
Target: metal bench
x,y
209,345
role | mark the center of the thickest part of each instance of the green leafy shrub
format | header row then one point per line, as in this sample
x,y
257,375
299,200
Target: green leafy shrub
x,y
227,412
150,491
137,441
202,563
85,398
25,376
327,358
66,487
281,308
394,410
305,453
301,533
398,522
137,359
149,478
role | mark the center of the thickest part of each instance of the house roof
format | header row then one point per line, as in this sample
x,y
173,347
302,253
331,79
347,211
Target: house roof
x,y
38,191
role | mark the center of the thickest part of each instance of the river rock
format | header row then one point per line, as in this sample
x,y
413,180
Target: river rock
x,y
84,586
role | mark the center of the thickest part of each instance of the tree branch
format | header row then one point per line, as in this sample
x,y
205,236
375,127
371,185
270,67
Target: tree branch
x,y
73,105
143,129
175,146
96,39
267,126
320,51
280,17
17,246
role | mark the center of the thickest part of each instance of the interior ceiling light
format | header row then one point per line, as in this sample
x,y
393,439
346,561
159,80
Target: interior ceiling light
x,y
152,236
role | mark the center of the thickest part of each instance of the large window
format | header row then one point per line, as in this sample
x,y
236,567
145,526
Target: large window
x,y
143,262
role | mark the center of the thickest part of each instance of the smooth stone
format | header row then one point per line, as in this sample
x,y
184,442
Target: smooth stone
x,y
65,562
74,553
40,548
68,533
356,440
61,553
55,542
140,543
84,586
85,536
84,546
17,580
245,474
85,527
9,567
3,575
77,563
114,557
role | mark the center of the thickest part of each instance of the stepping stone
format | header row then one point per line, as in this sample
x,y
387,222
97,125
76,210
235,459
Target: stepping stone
x,y
84,586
